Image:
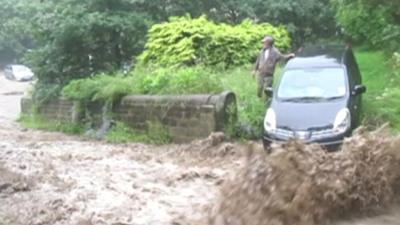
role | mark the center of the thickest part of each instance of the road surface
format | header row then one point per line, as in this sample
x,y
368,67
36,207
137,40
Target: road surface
x,y
55,179
10,96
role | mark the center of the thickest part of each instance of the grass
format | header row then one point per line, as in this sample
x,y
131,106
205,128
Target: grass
x,y
187,80
251,109
381,103
39,123
156,134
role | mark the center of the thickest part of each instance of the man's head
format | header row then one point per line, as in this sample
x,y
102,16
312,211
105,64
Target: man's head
x,y
268,41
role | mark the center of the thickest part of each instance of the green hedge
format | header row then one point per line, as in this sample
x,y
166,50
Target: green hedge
x,y
186,41
185,80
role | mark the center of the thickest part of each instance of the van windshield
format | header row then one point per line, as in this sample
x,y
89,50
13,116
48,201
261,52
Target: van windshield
x,y
312,84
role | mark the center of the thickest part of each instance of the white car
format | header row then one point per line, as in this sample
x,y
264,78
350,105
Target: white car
x,y
18,73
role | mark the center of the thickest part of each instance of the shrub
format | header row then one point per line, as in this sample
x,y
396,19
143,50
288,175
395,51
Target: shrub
x,y
43,92
190,80
251,109
196,80
186,41
101,87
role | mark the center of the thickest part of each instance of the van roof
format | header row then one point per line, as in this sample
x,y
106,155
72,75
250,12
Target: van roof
x,y
319,56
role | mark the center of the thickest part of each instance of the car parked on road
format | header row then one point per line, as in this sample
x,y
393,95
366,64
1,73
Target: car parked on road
x,y
18,73
317,99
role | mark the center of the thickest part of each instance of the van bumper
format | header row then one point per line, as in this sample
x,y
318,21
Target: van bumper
x,y
331,144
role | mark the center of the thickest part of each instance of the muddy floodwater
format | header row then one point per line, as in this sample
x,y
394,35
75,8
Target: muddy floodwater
x,y
55,179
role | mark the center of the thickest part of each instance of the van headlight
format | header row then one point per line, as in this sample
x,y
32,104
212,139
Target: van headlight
x,y
270,121
342,122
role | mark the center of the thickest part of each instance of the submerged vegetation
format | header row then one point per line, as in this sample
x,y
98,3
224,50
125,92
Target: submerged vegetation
x,y
35,121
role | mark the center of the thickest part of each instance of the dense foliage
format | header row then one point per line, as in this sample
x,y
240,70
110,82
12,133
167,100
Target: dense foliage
x,y
75,39
186,41
306,20
194,80
376,23
80,38
16,34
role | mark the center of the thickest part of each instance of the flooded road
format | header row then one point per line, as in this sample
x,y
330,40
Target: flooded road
x,y
55,179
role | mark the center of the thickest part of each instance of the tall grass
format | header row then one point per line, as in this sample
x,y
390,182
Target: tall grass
x,y
251,109
156,134
381,103
37,122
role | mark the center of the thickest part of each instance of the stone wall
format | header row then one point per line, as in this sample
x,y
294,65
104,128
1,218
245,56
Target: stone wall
x,y
186,117
56,110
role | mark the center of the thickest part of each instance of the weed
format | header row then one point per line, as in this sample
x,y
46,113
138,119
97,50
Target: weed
x,y
35,121
156,134
251,109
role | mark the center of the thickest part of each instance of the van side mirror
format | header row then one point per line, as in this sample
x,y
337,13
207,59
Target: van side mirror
x,y
269,91
359,89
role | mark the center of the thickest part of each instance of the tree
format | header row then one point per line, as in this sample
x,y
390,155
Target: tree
x,y
81,38
373,22
307,20
15,32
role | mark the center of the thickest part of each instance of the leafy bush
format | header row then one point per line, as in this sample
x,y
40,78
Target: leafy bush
x,y
190,80
186,41
103,87
251,109
43,92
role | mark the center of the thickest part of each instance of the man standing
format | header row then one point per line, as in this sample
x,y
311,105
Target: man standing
x,y
266,63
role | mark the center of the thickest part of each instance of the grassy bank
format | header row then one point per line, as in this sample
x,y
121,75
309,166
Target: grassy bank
x,y
251,109
39,123
381,103
120,133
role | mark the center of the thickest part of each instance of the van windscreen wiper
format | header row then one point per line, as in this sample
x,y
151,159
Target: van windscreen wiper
x,y
304,99
311,99
334,98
